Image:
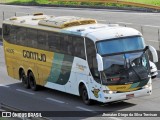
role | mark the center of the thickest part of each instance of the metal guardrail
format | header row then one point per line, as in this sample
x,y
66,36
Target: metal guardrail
x,y
136,4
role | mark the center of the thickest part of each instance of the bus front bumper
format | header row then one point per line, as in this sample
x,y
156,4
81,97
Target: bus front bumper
x,y
127,95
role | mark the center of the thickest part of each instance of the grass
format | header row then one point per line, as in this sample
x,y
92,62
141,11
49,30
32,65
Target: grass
x,y
150,2
35,2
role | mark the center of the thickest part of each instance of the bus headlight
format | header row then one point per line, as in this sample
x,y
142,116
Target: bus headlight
x,y
147,86
109,91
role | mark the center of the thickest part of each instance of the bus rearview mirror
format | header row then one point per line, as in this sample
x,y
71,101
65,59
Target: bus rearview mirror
x,y
154,53
100,62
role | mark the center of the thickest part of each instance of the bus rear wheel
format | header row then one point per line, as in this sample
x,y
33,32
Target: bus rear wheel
x,y
84,95
32,81
24,79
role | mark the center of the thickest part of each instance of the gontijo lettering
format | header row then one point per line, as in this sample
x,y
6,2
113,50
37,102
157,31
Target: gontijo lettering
x,y
34,55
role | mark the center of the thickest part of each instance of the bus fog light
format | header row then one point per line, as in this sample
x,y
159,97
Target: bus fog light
x,y
109,91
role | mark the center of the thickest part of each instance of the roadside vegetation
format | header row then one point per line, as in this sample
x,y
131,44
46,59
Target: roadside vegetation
x,y
54,2
150,2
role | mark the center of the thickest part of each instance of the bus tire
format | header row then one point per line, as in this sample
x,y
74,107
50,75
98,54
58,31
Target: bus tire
x,y
85,97
32,81
24,79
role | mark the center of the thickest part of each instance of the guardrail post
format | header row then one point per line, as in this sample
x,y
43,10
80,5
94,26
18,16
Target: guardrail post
x,y
15,14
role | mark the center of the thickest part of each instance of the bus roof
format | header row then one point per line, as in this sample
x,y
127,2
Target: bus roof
x,y
85,27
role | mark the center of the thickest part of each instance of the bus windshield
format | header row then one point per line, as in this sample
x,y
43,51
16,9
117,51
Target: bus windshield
x,y
125,68
120,45
122,62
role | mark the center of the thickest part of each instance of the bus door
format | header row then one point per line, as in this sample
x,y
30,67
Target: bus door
x,y
94,77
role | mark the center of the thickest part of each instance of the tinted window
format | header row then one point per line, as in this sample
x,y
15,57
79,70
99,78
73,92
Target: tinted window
x,y
42,40
120,45
6,32
78,47
21,36
32,38
13,36
64,44
51,41
54,42
91,57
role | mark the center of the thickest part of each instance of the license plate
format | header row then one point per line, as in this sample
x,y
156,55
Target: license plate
x,y
129,96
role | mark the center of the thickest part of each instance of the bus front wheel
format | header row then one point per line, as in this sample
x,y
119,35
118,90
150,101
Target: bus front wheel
x,y
24,79
32,81
84,95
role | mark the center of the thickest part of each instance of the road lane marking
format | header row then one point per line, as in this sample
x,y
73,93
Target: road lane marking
x,y
1,85
152,26
138,24
102,20
124,23
55,100
85,109
153,40
115,118
25,91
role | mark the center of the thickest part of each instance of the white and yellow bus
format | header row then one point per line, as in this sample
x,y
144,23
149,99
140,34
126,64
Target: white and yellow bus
x,y
78,56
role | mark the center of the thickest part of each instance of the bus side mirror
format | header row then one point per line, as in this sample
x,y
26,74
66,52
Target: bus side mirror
x,y
154,53
100,62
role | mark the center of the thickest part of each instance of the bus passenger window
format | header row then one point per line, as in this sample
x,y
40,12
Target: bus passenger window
x,y
64,44
13,36
54,42
42,40
78,44
21,36
32,38
6,32
70,46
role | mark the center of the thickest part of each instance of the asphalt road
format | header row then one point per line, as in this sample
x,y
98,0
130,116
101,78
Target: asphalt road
x,y
13,94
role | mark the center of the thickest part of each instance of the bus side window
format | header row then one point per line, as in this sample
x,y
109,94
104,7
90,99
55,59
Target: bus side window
x,y
70,46
64,44
21,36
6,32
91,57
32,38
42,40
13,36
78,45
53,42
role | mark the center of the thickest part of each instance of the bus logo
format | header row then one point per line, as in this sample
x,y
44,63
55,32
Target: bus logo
x,y
34,55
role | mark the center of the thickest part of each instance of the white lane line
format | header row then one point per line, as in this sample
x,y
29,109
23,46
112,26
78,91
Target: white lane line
x,y
1,85
115,118
25,91
124,23
55,100
152,40
102,20
152,26
85,109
